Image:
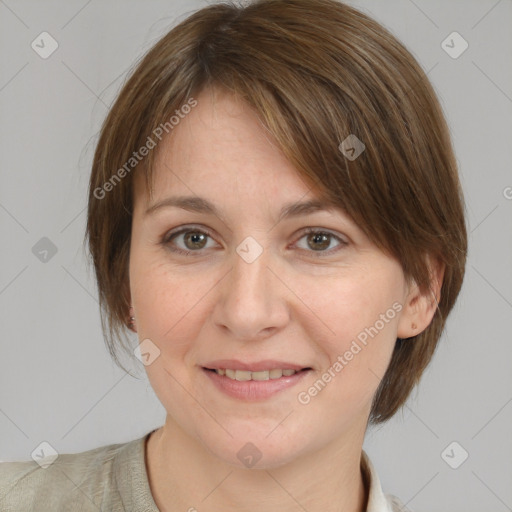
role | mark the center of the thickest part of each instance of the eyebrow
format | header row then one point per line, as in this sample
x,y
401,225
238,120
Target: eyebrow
x,y
201,205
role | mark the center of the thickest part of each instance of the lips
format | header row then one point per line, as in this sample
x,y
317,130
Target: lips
x,y
257,366
254,381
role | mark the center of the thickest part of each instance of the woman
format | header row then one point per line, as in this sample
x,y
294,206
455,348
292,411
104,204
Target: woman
x,y
275,210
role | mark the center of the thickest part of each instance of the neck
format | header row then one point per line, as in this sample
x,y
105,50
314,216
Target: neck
x,y
184,475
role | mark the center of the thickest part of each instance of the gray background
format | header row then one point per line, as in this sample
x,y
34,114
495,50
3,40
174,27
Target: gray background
x,y
57,383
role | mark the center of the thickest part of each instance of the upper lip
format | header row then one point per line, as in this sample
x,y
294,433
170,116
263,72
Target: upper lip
x,y
256,366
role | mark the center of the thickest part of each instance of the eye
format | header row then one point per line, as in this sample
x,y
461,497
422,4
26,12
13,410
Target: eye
x,y
193,239
318,241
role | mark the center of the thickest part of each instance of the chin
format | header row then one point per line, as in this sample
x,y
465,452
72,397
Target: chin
x,y
254,456
253,448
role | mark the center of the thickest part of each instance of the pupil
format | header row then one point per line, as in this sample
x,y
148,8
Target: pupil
x,y
318,238
196,238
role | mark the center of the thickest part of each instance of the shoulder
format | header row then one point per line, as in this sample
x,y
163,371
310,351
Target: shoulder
x,y
82,481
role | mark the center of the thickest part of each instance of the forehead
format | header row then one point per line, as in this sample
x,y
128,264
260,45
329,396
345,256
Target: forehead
x,y
221,151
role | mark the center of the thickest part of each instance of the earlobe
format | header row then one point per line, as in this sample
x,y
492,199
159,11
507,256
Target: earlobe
x,y
410,323
131,320
420,307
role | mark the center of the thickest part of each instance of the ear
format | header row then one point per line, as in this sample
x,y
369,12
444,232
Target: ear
x,y
420,306
126,294
130,317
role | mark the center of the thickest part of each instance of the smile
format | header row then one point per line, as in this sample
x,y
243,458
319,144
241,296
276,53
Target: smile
x,y
256,385
243,375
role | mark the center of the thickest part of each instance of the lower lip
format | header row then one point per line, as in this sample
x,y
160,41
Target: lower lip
x,y
254,390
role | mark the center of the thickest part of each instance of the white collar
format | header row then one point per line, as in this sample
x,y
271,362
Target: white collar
x,y
377,500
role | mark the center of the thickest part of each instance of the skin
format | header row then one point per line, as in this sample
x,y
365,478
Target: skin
x,y
289,304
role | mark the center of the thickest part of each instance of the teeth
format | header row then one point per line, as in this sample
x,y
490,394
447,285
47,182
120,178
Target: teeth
x,y
265,375
243,375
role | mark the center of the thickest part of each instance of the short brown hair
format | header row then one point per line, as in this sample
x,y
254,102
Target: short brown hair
x,y
315,71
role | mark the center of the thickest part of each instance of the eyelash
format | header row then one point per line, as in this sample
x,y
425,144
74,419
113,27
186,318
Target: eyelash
x,y
316,254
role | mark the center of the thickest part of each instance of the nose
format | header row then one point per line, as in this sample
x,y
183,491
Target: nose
x,y
251,302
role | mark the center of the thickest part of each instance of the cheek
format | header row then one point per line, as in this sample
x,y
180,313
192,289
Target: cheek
x,y
170,306
355,333
357,304
169,313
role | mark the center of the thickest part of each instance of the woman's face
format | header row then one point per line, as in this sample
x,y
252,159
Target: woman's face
x,y
250,289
